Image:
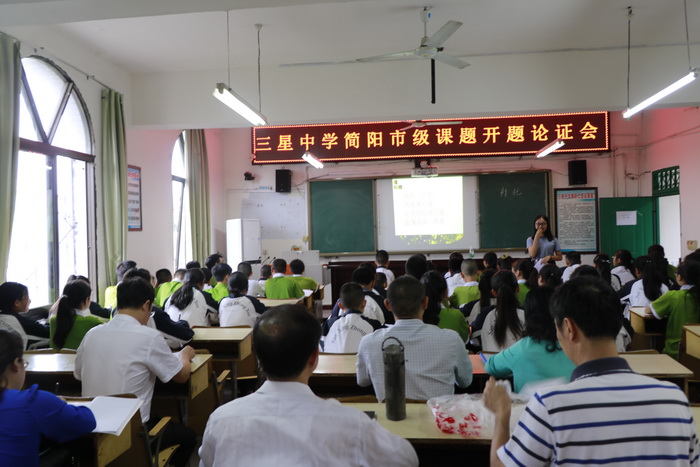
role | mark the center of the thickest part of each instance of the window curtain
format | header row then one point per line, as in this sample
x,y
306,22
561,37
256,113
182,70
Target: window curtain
x,y
198,190
10,85
113,177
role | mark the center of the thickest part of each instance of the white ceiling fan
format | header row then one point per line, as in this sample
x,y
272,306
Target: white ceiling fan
x,y
430,47
422,124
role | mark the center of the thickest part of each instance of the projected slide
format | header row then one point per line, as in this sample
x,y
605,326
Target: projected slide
x,y
420,208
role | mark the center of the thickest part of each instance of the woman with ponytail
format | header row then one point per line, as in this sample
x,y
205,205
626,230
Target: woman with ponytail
x,y
188,302
650,286
437,312
679,306
624,269
602,264
239,309
70,316
503,326
550,275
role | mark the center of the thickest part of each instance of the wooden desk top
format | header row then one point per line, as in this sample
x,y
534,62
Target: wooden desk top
x,y
640,311
212,334
657,366
693,329
64,363
345,365
270,302
419,425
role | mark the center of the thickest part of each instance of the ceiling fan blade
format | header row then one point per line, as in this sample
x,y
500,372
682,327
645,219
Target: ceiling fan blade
x,y
444,123
406,127
450,60
407,53
444,33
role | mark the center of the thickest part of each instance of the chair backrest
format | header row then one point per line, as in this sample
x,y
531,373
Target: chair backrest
x,y
12,324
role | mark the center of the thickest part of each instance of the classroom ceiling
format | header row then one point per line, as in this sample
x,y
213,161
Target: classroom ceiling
x,y
180,35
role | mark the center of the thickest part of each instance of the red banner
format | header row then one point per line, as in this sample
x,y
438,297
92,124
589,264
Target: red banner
x,y
460,137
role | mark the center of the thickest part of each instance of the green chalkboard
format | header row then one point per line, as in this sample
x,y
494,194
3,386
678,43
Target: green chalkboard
x,y
342,216
508,204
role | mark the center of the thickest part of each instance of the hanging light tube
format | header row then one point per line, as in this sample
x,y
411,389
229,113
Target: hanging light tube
x,y
239,105
313,160
551,147
690,77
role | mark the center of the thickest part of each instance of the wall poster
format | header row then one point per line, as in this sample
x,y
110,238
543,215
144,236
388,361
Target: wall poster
x,y
577,219
133,197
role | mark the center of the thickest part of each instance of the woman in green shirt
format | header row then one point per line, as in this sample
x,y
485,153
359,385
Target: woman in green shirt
x,y
71,318
437,312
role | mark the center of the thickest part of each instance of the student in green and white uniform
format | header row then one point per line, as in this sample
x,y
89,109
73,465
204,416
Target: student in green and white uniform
x,y
110,298
523,270
221,273
437,311
470,290
166,289
297,267
280,286
71,318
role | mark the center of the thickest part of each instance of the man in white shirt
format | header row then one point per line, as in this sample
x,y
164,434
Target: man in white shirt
x,y
125,356
284,423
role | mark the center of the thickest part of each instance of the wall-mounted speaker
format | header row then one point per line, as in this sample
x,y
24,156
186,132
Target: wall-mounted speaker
x,y
283,181
578,174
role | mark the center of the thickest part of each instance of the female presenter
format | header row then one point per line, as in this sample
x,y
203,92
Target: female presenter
x,y
543,247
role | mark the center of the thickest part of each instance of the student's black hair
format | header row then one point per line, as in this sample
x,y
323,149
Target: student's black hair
x,y
77,277
469,267
124,266
369,265
551,275
539,325
220,271
662,265
625,258
585,270
416,266
504,284
380,279
279,265
138,272
212,260
573,257
351,295
405,296
456,254
245,268
591,304
490,260
237,284
363,275
524,267
265,271
694,256
296,266
689,271
435,288
10,292
602,262
163,275
179,274
284,339
134,292
183,296
485,288
656,249
547,233
454,265
207,274
11,348
381,257
651,276
193,265
504,263
74,295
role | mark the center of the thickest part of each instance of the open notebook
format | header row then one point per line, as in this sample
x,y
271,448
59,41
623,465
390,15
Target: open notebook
x,y
111,413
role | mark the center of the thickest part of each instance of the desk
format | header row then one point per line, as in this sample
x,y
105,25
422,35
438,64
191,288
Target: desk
x,y
271,302
689,355
199,381
649,332
660,366
228,344
691,335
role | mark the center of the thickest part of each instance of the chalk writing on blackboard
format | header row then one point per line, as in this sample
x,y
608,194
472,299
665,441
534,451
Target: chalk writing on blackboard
x,y
505,192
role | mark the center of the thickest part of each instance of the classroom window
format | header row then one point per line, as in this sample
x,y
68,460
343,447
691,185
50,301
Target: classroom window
x,y
182,244
54,210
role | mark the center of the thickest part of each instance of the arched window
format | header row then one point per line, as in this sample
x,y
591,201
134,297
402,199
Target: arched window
x,y
182,244
53,225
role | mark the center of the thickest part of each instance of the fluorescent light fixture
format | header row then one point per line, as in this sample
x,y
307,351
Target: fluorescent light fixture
x,y
313,160
551,147
239,105
663,93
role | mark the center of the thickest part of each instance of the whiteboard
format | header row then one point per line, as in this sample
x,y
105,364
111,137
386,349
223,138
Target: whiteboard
x,y
283,216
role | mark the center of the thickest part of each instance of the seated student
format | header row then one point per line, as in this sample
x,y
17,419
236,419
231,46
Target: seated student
x,y
175,333
607,414
679,306
208,279
209,263
490,260
14,304
573,261
280,286
190,304
549,275
381,260
380,284
162,276
27,416
668,271
522,269
125,356
254,287
265,274
95,308
239,308
71,318
486,299
504,263
307,283
166,289
537,356
436,359
602,264
110,299
650,285
306,429
454,274
503,325
221,273
416,266
347,331
374,306
470,290
437,312
623,268
193,265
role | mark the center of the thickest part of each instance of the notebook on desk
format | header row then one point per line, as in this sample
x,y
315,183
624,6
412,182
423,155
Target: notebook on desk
x,y
111,413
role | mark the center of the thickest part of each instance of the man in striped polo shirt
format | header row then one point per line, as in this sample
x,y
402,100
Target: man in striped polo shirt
x,y
607,414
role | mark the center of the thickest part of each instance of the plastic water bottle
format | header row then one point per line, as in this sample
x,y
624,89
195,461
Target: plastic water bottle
x,y
471,252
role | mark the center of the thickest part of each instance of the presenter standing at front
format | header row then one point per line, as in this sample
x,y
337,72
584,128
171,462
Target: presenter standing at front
x,y
543,247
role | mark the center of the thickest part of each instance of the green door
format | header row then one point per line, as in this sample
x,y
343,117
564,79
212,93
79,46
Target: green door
x,y
628,223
